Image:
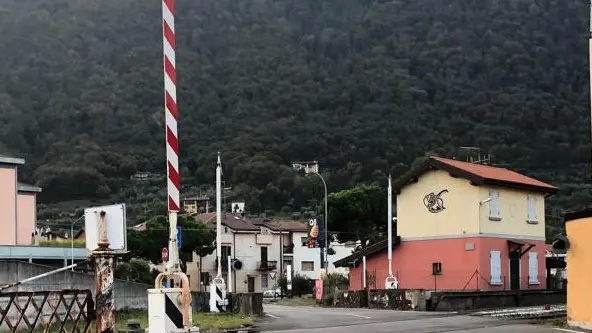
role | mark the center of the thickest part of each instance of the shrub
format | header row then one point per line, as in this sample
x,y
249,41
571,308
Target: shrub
x,y
301,285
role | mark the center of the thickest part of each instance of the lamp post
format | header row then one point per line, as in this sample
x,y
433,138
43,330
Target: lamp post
x,y
72,240
307,171
326,262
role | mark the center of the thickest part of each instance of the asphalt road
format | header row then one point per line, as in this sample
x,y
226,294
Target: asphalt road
x,y
302,319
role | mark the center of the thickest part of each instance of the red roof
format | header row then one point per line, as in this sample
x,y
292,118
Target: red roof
x,y
478,174
494,173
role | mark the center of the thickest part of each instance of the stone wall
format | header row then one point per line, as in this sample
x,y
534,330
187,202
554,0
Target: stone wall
x,y
465,301
351,299
396,299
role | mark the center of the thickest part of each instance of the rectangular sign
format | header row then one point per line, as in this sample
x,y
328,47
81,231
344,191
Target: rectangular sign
x,y
115,221
179,237
319,289
316,232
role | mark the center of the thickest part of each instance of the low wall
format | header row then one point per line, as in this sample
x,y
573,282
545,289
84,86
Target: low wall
x,y
466,301
127,294
397,299
248,304
351,299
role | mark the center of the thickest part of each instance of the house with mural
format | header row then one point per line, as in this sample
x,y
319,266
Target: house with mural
x,y
461,226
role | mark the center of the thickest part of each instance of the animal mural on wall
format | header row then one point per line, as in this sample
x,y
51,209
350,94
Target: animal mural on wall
x,y
434,202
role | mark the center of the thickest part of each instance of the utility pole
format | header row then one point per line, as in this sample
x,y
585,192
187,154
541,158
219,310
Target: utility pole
x,y
390,226
219,215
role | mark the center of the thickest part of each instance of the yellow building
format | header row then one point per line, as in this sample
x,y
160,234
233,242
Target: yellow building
x,y
578,227
196,205
482,226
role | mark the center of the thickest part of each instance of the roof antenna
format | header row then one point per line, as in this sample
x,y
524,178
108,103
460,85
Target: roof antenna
x,y
474,155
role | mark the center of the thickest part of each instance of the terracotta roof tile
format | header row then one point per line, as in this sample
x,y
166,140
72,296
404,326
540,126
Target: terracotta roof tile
x,y
229,220
495,173
287,225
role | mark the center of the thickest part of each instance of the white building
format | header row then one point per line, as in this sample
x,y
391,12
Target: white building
x,y
254,247
304,260
261,253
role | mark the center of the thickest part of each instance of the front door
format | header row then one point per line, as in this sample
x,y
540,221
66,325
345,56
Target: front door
x,y
515,270
251,284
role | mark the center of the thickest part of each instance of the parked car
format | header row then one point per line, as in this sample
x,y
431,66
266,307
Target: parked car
x,y
272,292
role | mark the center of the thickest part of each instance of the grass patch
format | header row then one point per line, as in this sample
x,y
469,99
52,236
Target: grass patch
x,y
205,321
298,301
62,243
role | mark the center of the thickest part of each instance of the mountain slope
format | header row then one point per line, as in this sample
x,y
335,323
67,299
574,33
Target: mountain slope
x,y
363,86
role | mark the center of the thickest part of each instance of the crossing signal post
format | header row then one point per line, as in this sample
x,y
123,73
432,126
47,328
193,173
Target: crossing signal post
x,y
169,309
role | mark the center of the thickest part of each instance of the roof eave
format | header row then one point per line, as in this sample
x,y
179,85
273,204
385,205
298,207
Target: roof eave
x,y
519,186
11,160
28,188
431,163
367,252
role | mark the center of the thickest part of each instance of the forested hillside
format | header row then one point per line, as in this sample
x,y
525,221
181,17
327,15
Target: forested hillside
x,y
363,86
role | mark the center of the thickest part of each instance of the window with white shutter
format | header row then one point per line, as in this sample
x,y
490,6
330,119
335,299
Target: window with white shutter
x,y
533,268
494,205
531,208
496,267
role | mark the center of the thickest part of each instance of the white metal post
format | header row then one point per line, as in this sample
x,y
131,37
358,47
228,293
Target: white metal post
x,y
326,261
390,226
364,271
172,264
229,274
219,215
72,244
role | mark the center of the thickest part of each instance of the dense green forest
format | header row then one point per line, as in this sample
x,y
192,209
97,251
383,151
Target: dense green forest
x,y
362,86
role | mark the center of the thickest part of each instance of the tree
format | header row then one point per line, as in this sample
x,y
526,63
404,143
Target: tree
x,y
358,213
196,238
137,270
362,86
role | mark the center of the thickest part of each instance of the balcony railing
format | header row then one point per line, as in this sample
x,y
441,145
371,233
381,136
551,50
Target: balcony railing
x,y
267,265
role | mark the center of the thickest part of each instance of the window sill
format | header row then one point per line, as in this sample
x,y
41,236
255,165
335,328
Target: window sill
x,y
532,222
496,283
495,218
532,283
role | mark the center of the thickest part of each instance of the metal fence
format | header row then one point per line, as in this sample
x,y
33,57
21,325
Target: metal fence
x,y
64,311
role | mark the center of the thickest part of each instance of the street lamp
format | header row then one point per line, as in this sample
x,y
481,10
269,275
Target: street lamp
x,y
307,170
72,239
326,263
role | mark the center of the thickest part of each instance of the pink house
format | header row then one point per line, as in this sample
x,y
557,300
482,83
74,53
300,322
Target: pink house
x,y
18,204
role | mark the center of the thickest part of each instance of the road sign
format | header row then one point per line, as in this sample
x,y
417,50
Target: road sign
x,y
391,282
115,222
272,275
164,254
179,237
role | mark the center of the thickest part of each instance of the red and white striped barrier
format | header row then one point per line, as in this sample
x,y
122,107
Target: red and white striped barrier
x,y
170,95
